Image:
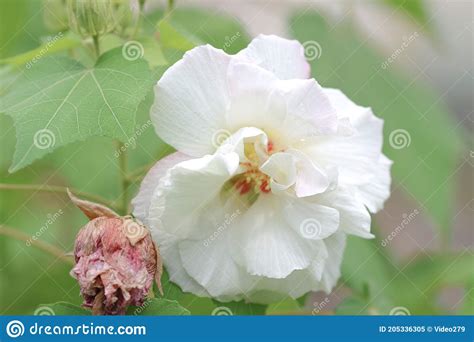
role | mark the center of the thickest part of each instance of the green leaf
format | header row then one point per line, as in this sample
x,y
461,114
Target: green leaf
x,y
425,277
238,308
426,166
153,52
288,306
59,101
174,37
55,44
353,306
61,309
365,268
158,307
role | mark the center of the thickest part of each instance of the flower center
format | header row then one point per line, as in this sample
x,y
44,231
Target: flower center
x,y
252,180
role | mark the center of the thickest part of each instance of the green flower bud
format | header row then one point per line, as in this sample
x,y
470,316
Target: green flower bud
x,y
91,17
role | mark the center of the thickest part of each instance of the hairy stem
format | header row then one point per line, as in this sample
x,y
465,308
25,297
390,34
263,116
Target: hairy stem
x,y
42,245
56,189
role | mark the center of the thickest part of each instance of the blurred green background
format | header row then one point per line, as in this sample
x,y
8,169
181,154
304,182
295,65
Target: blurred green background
x,y
427,268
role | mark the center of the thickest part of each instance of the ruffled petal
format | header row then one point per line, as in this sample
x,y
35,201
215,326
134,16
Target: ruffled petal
x,y
191,99
266,245
187,190
353,215
282,57
375,192
141,202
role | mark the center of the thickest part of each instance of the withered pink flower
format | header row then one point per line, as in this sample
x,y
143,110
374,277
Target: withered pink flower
x,y
116,260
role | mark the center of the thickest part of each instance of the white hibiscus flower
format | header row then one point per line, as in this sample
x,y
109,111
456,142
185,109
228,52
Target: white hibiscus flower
x,y
272,172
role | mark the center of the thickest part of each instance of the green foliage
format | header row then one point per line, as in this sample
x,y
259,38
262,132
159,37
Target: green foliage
x,y
238,308
425,167
62,309
61,101
158,307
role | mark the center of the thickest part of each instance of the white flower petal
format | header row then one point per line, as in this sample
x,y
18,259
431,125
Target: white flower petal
x,y
187,190
281,168
356,154
311,220
266,245
141,202
212,266
376,191
177,274
335,245
353,215
284,58
191,99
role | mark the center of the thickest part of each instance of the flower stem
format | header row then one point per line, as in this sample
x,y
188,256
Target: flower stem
x,y
95,39
42,245
56,189
123,164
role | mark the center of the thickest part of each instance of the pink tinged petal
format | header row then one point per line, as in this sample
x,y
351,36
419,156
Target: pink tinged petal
x,y
191,99
311,179
282,57
354,155
309,110
141,202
